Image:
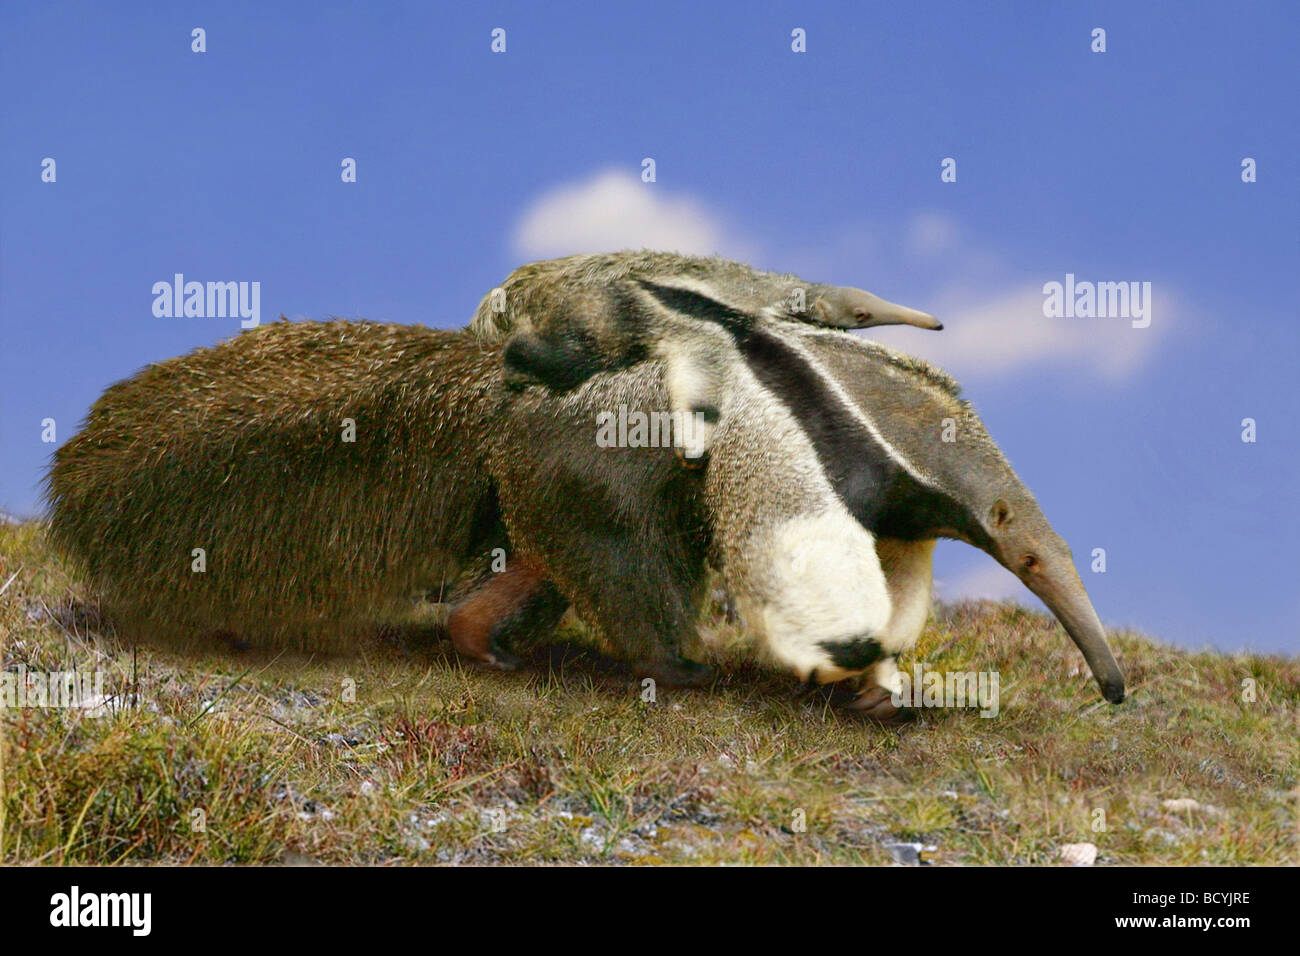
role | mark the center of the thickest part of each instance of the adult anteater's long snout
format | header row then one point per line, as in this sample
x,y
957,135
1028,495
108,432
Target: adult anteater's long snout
x,y
1063,593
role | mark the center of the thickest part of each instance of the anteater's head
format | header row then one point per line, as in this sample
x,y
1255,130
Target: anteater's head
x,y
921,465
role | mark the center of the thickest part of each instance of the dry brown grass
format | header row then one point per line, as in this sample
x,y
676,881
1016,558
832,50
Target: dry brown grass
x,y
564,763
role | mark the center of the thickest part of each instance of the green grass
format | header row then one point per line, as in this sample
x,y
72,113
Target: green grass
x,y
236,759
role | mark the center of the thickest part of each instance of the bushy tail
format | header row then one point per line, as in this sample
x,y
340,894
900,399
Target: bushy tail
x,y
291,484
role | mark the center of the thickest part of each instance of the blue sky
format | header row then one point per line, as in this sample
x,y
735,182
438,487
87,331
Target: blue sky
x,y
1115,166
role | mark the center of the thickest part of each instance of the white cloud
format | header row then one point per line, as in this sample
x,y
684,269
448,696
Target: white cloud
x,y
991,335
992,308
931,233
615,210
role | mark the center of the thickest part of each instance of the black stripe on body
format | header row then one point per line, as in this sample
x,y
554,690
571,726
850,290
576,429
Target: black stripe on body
x,y
878,492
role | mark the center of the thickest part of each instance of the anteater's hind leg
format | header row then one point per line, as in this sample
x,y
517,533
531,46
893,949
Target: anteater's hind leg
x,y
618,530
639,591
501,607
638,585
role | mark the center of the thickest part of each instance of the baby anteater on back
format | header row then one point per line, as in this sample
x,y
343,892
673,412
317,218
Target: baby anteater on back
x,y
566,319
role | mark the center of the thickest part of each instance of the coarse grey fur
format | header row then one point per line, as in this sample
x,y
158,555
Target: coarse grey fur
x,y
829,482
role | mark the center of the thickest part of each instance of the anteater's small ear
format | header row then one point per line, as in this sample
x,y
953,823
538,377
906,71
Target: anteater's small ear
x,y
1000,514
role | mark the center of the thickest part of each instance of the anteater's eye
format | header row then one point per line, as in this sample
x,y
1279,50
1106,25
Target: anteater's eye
x,y
1030,562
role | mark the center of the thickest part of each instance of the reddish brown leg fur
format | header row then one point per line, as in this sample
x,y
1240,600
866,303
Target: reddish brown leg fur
x,y
510,603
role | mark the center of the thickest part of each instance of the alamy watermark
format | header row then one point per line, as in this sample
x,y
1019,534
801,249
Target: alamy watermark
x,y
638,429
210,300
82,690
928,688
133,911
1100,300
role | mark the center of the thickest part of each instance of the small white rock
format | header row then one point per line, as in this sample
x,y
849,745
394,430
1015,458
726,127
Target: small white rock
x,y
1079,854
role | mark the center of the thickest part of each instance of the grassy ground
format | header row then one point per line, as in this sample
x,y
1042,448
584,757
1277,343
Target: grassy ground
x,y
257,760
